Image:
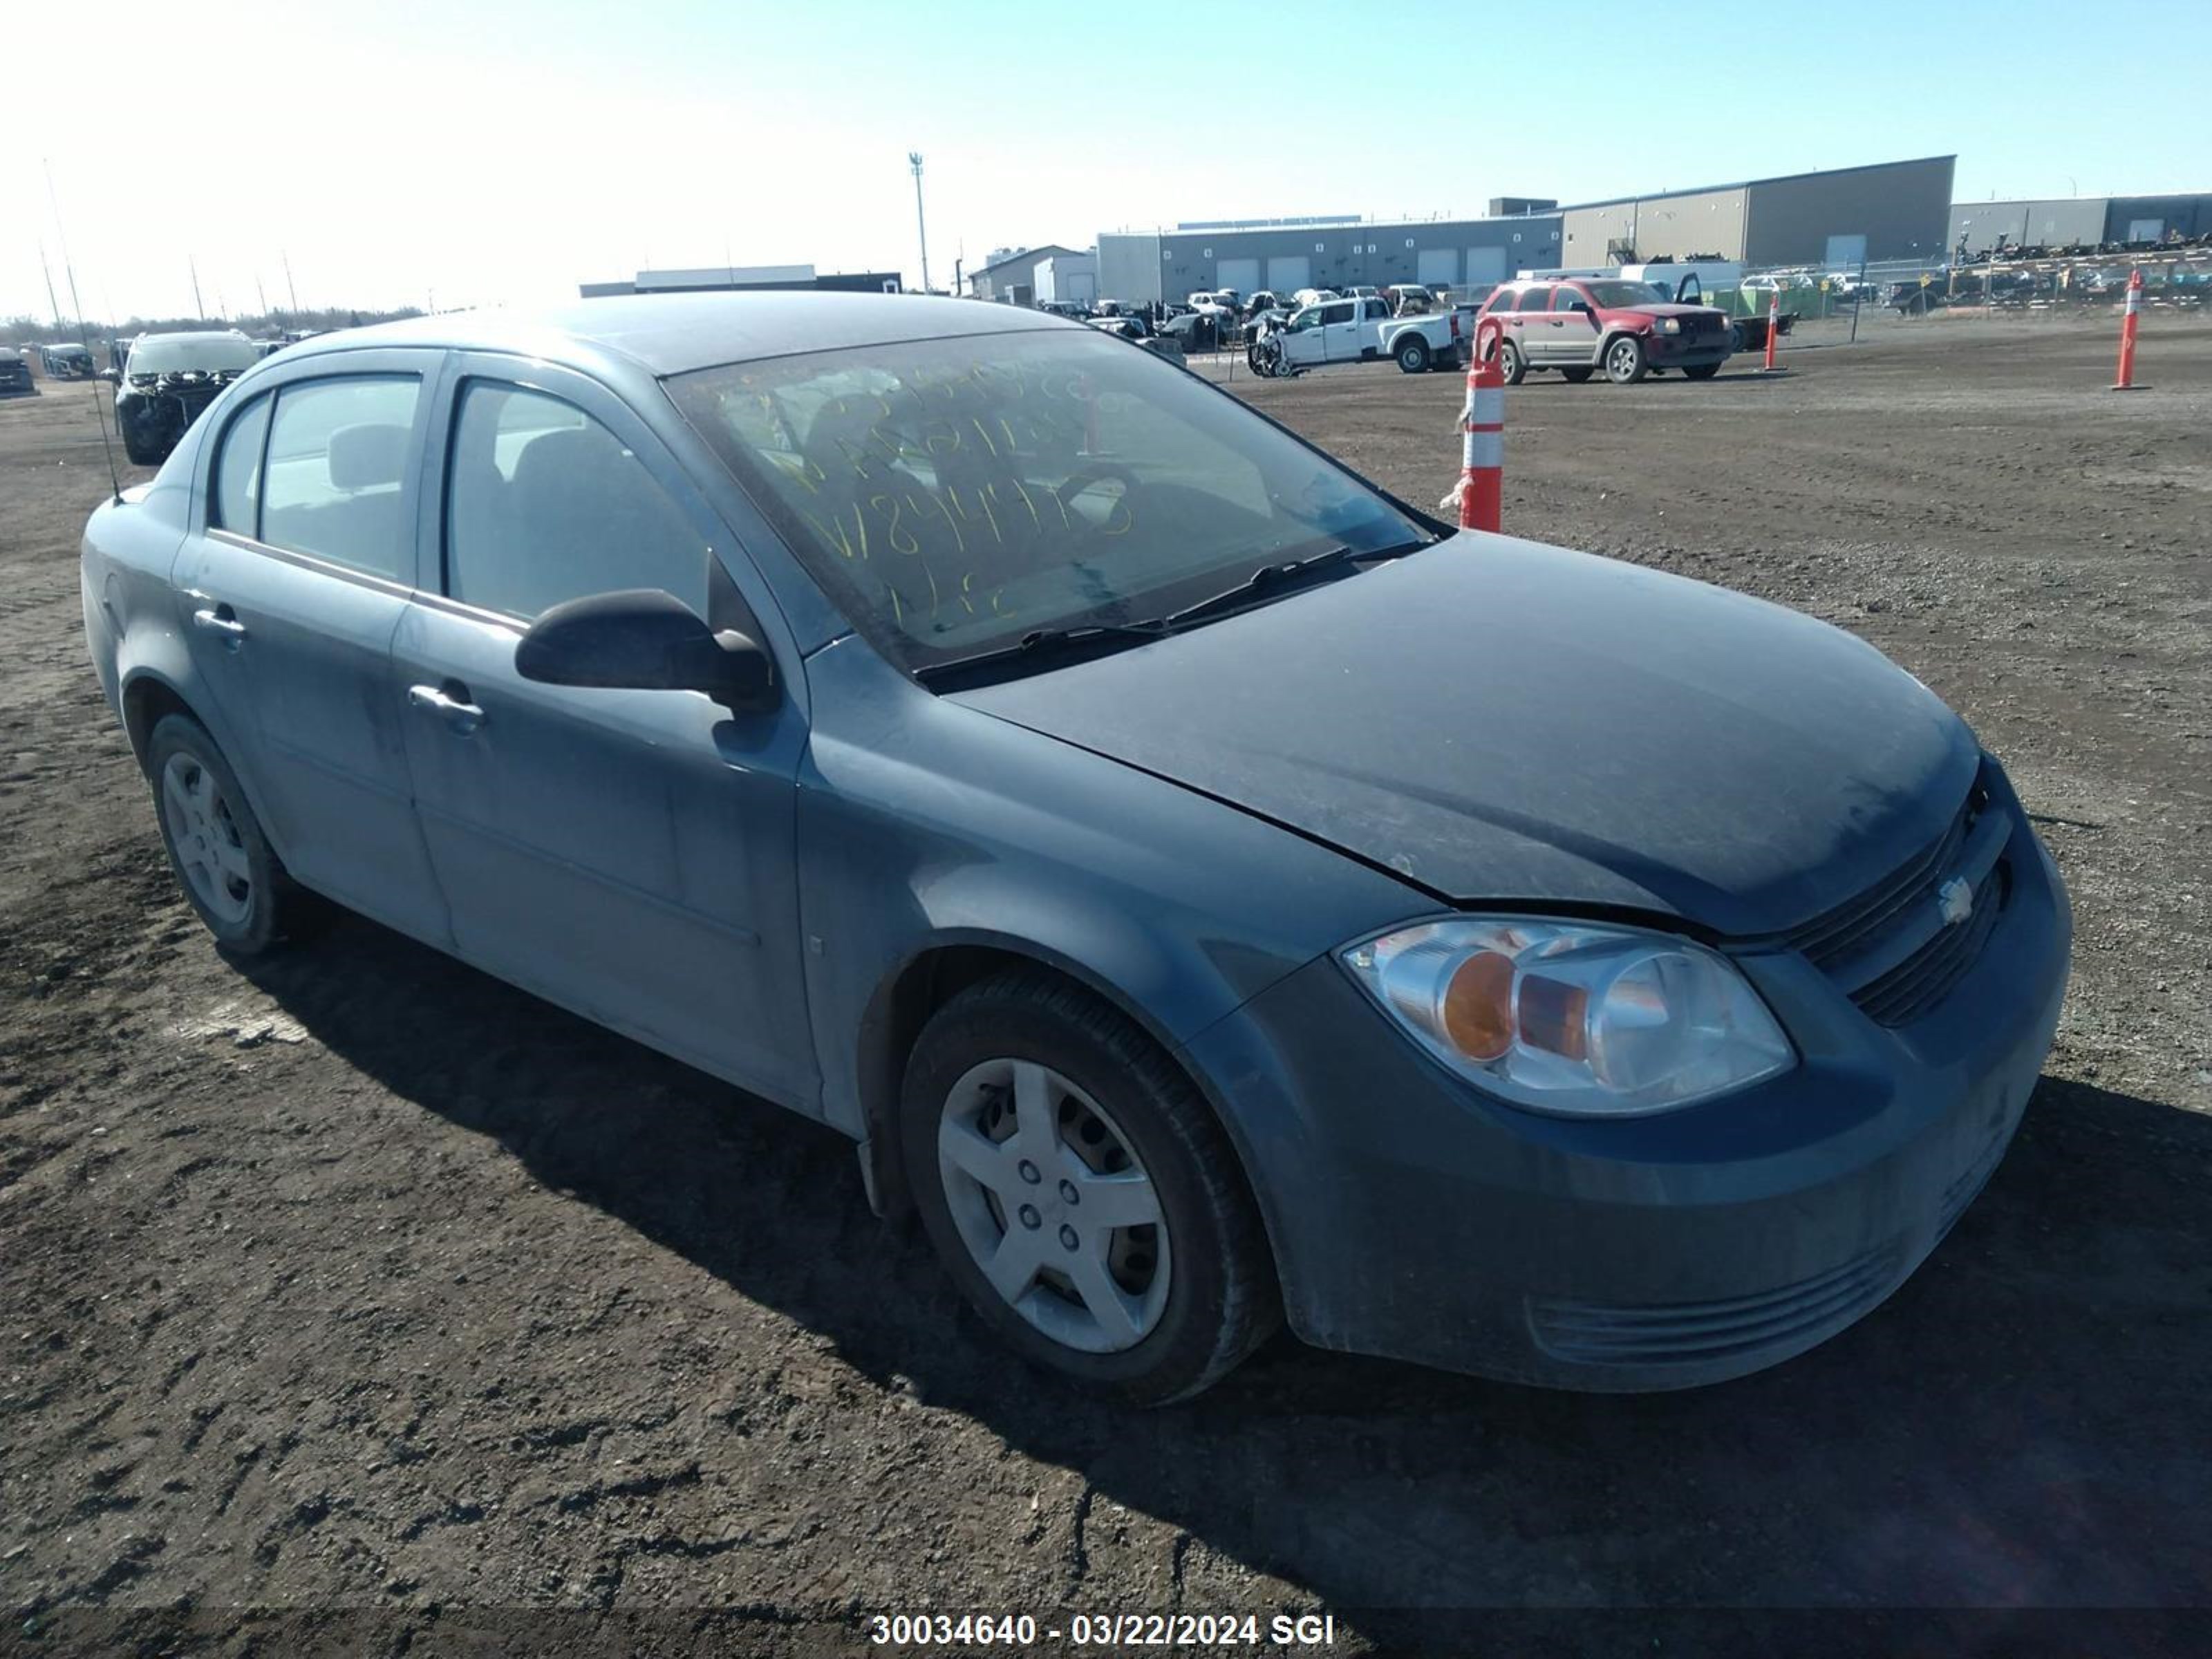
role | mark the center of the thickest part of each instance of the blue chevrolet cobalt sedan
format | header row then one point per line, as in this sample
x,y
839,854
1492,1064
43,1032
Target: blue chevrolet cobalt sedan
x,y
1210,891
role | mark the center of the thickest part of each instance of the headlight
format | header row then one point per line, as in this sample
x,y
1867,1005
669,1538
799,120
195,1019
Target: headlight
x,y
1574,1018
1670,324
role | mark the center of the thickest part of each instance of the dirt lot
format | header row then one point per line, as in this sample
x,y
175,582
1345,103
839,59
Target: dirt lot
x,y
363,1281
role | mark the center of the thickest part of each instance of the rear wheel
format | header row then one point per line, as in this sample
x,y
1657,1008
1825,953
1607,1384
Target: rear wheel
x,y
1080,1192
1413,354
142,441
224,862
1512,363
1624,362
1702,371
1577,376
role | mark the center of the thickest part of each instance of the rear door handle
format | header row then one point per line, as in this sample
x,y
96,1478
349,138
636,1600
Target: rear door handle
x,y
451,703
221,619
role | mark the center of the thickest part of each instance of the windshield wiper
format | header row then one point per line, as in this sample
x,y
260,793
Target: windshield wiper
x,y
1043,642
1272,579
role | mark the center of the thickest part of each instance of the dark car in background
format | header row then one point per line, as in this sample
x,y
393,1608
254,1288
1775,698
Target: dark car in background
x,y
15,372
167,382
1581,326
1209,889
1138,331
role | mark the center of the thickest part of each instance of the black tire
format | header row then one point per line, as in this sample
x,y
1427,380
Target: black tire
x,y
1512,363
1413,354
1702,371
1221,1300
1576,376
142,449
1625,360
274,907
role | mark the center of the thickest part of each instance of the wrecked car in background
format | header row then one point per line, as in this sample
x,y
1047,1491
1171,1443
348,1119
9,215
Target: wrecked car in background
x,y
67,361
168,380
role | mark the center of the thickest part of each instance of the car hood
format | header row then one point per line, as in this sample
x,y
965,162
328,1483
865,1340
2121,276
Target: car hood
x,y
1670,308
1495,720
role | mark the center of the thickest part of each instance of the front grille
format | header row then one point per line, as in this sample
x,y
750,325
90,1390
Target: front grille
x,y
1925,978
1892,948
1685,1333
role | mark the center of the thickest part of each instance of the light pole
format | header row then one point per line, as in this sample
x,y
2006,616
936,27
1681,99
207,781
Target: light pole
x,y
922,225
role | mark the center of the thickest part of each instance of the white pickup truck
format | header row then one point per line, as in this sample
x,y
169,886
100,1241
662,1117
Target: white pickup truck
x,y
1361,329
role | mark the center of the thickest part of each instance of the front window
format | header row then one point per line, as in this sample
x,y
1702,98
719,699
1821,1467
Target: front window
x,y
955,495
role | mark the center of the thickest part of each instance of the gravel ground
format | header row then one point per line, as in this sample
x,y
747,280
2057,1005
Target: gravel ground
x,y
360,1282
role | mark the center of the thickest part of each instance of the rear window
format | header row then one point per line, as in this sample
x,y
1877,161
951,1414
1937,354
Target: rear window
x,y
332,483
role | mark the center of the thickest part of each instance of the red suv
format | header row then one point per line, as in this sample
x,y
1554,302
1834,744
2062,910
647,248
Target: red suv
x,y
1580,325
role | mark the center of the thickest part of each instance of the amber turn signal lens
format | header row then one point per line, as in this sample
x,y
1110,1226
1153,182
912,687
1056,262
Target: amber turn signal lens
x,y
1479,1006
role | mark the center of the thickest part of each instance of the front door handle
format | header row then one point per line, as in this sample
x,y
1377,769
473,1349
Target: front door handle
x,y
451,703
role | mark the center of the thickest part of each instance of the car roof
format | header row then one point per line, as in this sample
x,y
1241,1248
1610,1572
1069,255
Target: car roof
x,y
671,333
226,335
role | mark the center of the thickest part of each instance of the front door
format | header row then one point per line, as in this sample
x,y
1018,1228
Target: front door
x,y
1303,342
295,577
1339,331
629,854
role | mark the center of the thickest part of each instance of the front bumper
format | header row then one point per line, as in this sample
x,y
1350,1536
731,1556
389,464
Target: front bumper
x,y
1688,350
1413,1218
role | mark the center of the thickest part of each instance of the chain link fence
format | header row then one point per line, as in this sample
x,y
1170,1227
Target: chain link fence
x,y
2079,287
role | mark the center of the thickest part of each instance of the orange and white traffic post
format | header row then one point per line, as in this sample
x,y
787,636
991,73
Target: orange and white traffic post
x,y
1481,492
1774,326
2128,323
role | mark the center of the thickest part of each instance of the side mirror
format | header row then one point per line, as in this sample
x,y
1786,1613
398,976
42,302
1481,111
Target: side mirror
x,y
644,640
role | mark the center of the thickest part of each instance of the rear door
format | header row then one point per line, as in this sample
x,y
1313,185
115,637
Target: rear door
x,y
1574,327
295,577
629,854
1373,313
1527,323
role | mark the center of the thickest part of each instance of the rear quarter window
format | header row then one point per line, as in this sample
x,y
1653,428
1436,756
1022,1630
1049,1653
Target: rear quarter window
x,y
236,503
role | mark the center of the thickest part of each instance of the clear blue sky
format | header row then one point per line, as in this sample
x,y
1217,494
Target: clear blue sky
x,y
505,151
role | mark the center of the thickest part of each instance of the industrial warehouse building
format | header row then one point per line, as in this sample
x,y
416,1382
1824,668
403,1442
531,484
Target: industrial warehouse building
x,y
1284,255
1012,278
2078,221
1891,210
725,279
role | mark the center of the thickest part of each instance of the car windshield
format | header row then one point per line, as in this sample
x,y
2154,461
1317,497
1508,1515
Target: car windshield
x,y
1614,294
169,353
954,495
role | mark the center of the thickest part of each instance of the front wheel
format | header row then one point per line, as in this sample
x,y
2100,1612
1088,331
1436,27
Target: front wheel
x,y
1624,362
215,844
1080,1193
1576,376
144,447
1413,355
1512,363
1702,371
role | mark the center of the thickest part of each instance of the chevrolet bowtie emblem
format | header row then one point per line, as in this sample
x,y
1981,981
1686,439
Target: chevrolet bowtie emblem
x,y
1955,901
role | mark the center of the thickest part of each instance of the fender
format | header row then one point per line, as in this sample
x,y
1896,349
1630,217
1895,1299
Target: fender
x,y
928,829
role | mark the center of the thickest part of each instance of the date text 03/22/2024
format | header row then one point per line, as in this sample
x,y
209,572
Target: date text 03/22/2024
x,y
1113,1630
